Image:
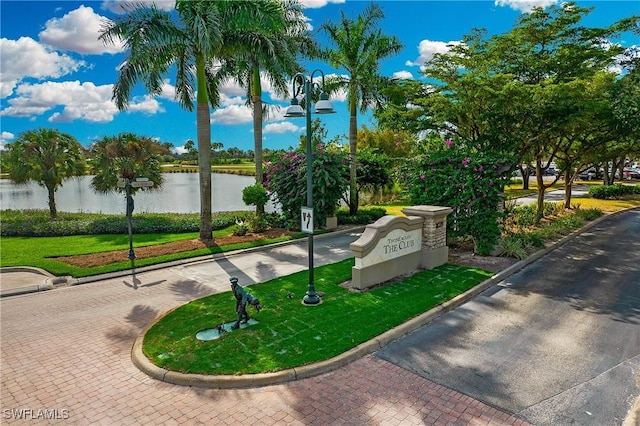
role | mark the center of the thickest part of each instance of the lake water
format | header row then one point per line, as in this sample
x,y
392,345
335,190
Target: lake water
x,y
180,193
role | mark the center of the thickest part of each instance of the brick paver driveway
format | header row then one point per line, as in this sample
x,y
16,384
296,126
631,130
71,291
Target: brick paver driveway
x,y
66,360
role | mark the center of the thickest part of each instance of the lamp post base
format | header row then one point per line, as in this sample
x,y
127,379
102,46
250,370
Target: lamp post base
x,y
311,299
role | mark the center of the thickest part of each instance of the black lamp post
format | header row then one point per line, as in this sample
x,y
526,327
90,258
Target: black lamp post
x,y
323,106
127,184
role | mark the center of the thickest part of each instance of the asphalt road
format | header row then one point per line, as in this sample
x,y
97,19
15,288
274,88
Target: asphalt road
x,y
557,343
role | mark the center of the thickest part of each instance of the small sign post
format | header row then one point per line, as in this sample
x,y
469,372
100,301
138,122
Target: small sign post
x,y
306,220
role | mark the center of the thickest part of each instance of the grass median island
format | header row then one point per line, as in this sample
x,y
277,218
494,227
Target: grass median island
x,y
290,334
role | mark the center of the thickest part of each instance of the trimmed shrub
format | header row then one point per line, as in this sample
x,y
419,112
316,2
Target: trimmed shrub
x,y
364,216
37,223
604,192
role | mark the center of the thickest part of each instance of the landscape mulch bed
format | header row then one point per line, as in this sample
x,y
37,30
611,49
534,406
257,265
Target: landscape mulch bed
x,y
106,258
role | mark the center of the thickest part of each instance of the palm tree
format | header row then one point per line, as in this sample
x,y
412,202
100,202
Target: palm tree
x,y
194,41
126,156
359,47
47,157
270,52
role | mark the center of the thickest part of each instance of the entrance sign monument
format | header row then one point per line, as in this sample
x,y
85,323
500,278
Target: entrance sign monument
x,y
396,245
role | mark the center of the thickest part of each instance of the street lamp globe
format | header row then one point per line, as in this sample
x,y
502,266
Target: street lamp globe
x,y
294,110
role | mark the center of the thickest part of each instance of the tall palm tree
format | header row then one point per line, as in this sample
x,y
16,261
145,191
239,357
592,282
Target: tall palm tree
x,y
125,156
359,46
194,41
46,156
272,52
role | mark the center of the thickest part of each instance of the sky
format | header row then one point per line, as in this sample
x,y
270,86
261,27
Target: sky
x,y
55,73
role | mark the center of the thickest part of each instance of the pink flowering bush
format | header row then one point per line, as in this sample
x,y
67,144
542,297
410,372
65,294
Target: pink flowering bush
x,y
286,180
471,183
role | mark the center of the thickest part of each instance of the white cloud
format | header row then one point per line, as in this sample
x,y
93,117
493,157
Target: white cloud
x,y
282,127
26,58
231,88
233,114
525,6
120,6
5,138
340,95
78,31
226,101
315,4
179,150
145,104
168,90
80,101
402,75
428,48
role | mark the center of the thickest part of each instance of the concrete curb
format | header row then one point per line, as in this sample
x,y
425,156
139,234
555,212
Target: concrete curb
x,y
48,280
366,348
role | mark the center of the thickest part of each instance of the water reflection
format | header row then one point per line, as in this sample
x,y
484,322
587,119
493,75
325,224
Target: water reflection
x,y
179,194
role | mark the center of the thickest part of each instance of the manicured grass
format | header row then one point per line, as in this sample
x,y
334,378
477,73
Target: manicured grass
x,y
244,168
42,252
394,209
607,206
231,167
290,334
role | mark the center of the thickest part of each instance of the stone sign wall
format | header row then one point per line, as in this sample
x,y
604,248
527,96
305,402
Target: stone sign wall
x,y
397,245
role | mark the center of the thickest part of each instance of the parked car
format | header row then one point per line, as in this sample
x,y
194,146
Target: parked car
x,y
631,173
590,174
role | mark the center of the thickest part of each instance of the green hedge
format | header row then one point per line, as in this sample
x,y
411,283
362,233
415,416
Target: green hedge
x,y
605,192
365,215
37,223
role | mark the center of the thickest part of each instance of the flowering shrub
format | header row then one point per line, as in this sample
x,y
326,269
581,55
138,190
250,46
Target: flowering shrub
x,y
469,182
286,179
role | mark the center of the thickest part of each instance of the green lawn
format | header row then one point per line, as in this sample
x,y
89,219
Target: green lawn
x,y
42,252
290,334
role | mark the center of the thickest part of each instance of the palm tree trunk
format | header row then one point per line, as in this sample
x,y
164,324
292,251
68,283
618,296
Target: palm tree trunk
x,y
256,97
204,152
53,211
204,169
353,167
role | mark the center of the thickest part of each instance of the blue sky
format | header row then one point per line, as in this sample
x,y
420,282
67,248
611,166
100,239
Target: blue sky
x,y
56,74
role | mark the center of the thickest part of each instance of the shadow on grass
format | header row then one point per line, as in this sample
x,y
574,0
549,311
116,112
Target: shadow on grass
x,y
290,334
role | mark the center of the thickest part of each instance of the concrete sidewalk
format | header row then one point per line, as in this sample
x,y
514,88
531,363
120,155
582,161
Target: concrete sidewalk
x,y
24,279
